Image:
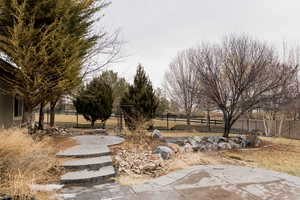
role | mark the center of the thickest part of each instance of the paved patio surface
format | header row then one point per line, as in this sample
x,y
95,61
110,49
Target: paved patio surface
x,y
200,182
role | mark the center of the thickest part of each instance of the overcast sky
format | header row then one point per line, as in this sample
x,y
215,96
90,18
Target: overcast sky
x,y
155,30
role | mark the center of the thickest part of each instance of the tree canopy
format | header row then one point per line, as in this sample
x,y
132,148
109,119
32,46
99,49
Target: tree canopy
x,y
44,45
119,86
139,104
95,101
241,75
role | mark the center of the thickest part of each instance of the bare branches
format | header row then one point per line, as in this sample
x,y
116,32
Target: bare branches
x,y
107,51
181,82
240,74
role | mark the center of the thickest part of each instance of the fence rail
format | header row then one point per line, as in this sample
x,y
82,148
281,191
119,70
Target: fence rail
x,y
288,128
192,120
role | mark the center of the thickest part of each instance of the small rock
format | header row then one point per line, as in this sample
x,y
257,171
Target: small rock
x,y
234,145
187,147
213,139
212,147
224,146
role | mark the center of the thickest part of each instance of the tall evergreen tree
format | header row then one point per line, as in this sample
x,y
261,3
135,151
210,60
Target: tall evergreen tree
x,y
95,101
139,104
43,45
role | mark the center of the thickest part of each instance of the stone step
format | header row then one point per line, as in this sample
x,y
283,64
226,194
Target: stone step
x,y
88,163
85,151
98,140
88,177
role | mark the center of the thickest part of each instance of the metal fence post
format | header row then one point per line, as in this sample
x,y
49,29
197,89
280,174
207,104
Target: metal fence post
x,y
255,124
289,128
276,132
77,125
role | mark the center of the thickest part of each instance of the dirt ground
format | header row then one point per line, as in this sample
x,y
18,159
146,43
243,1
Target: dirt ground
x,y
278,154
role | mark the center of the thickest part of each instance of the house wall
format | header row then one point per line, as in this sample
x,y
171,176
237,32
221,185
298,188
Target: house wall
x,y
6,111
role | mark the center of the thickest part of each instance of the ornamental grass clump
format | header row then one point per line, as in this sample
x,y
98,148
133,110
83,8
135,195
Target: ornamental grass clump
x,y
23,161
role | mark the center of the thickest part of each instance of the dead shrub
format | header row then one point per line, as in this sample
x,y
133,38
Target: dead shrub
x,y
23,161
140,129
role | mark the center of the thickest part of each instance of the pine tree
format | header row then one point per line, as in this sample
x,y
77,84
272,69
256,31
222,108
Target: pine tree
x,y
139,104
95,101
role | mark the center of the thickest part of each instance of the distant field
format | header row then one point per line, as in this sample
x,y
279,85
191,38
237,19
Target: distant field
x,y
71,120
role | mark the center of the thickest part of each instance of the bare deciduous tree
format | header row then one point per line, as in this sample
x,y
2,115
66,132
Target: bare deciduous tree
x,y
180,83
239,75
207,105
278,107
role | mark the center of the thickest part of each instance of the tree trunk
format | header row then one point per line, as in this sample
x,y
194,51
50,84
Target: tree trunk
x,y
93,123
41,117
227,125
188,119
208,120
266,127
52,113
226,130
104,125
268,123
27,119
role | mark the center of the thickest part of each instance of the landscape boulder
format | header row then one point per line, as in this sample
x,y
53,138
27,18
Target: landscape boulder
x,y
224,145
187,147
156,134
252,141
214,143
164,151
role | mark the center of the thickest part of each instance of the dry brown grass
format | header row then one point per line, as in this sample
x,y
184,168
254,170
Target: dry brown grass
x,y
187,133
23,162
111,122
280,154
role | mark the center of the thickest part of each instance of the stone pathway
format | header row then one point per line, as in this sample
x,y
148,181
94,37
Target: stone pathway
x,y
95,164
221,183
200,182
